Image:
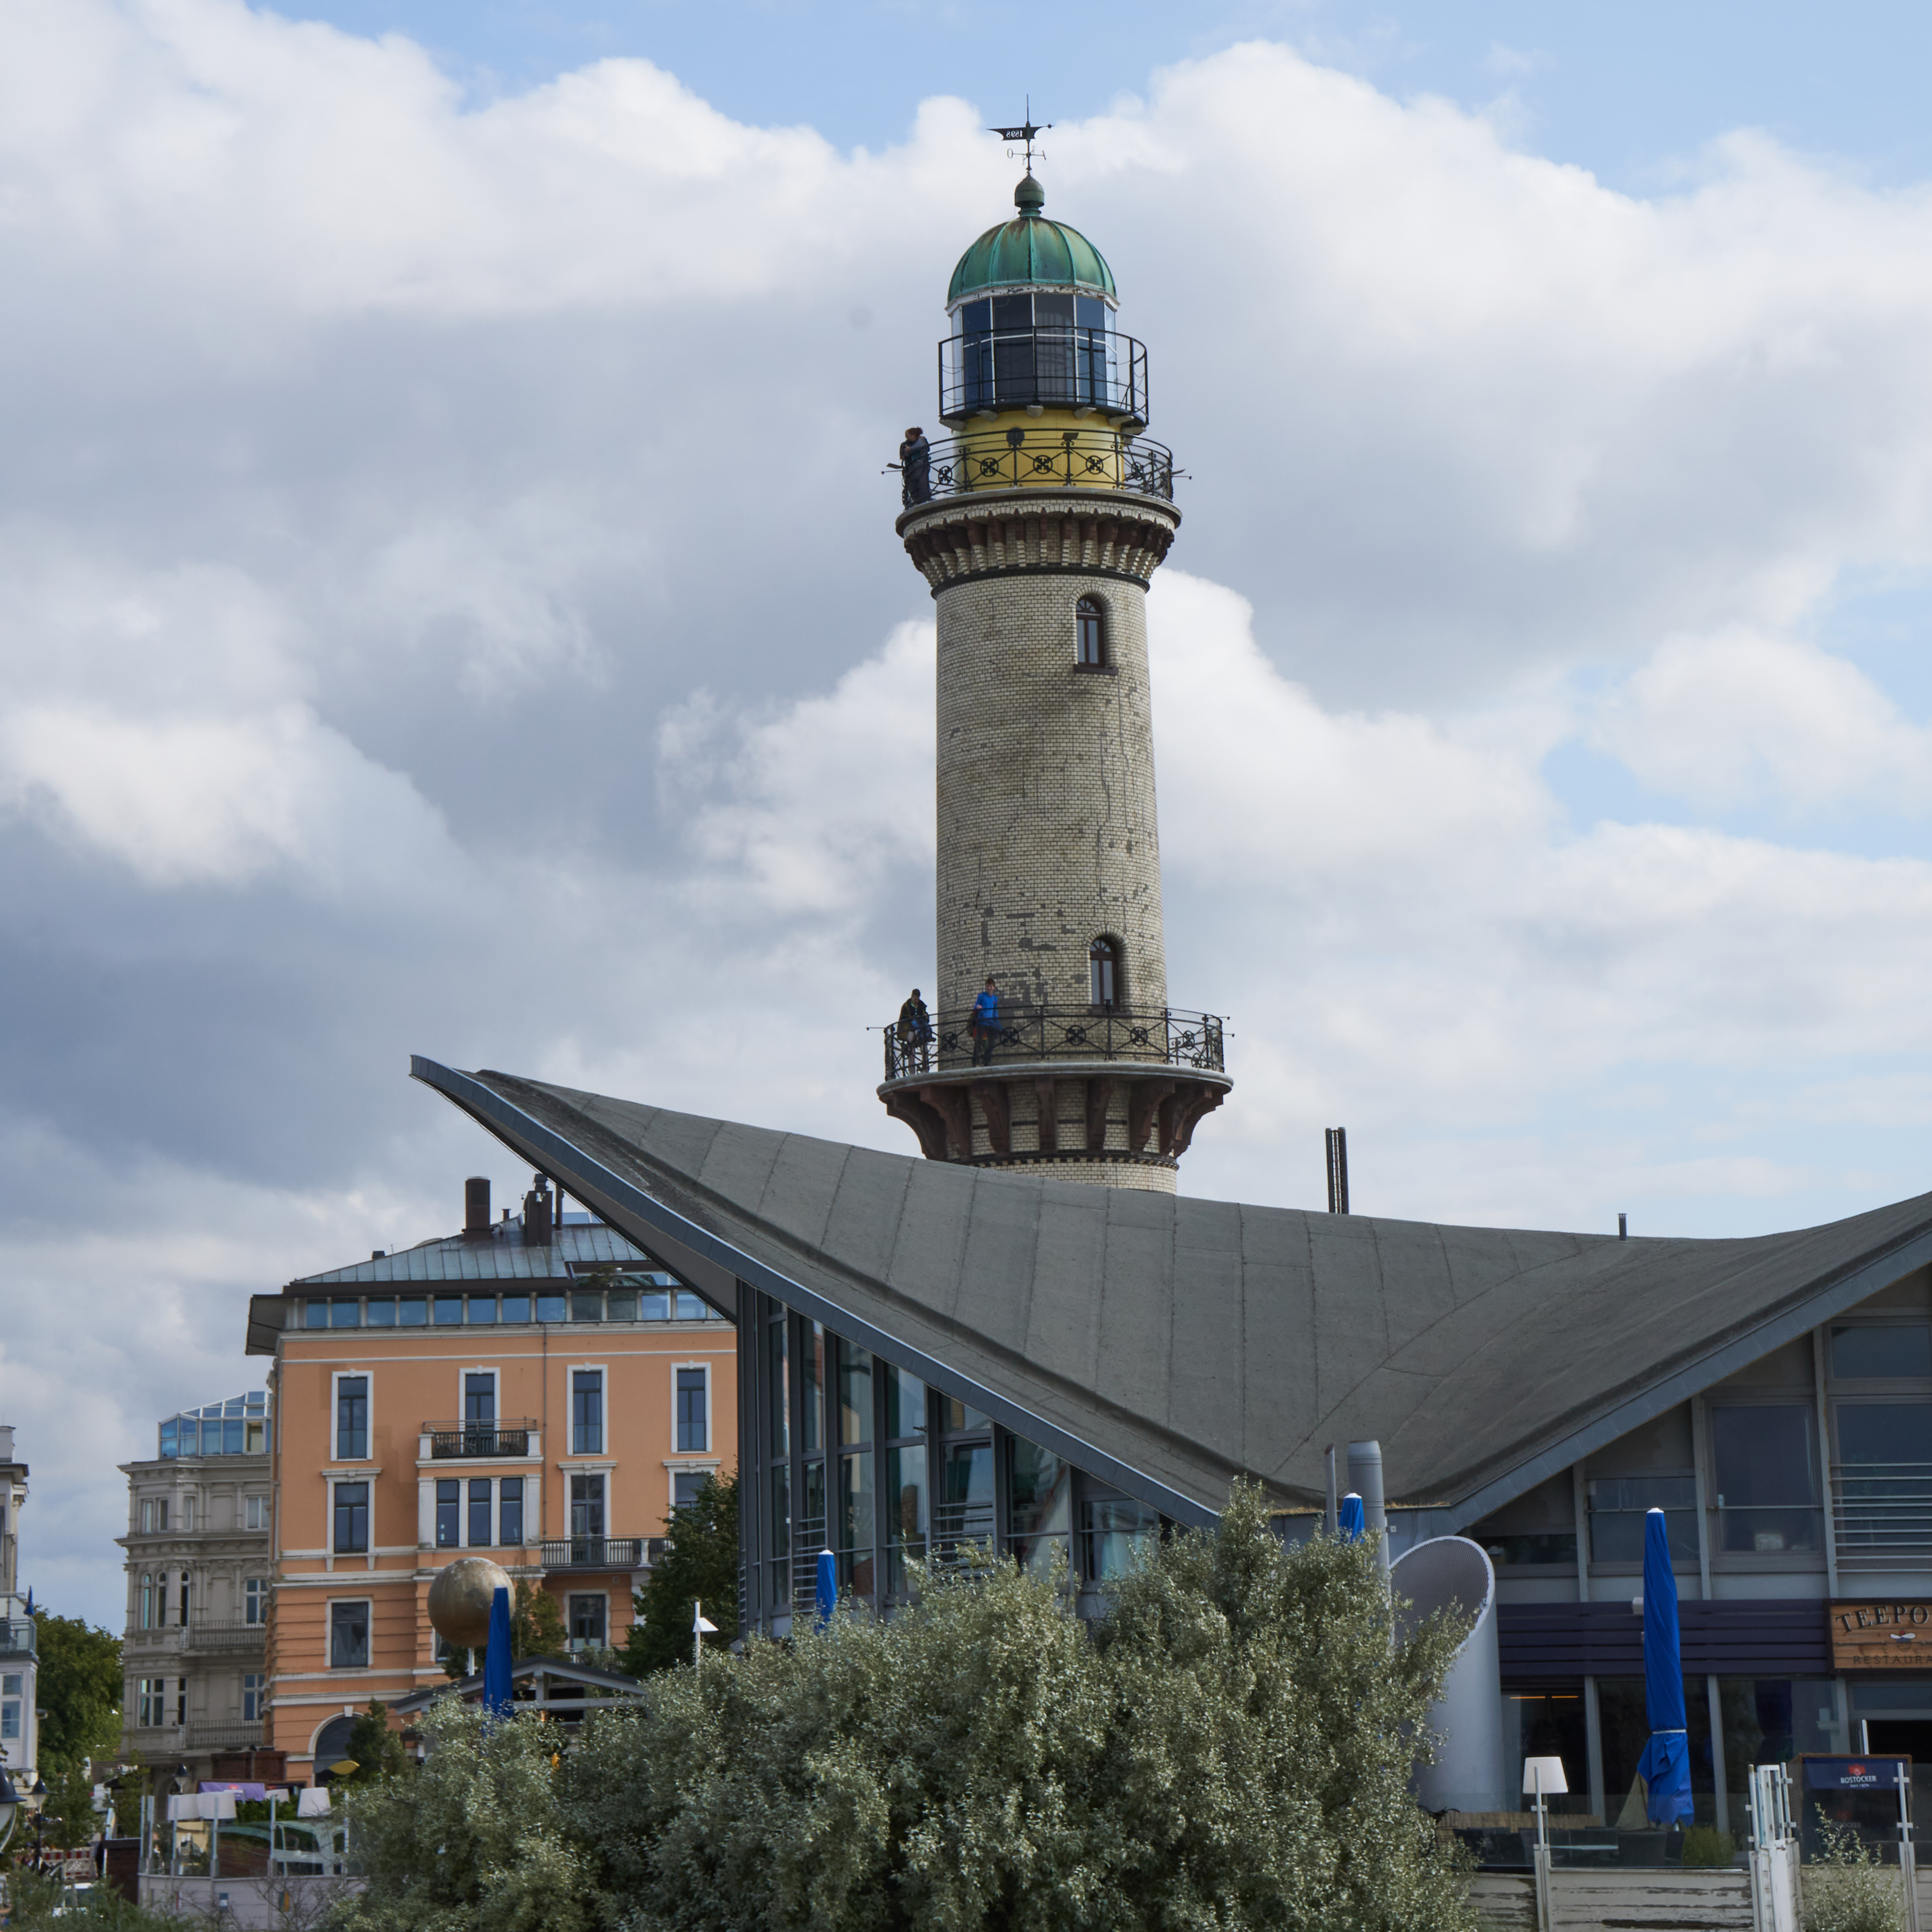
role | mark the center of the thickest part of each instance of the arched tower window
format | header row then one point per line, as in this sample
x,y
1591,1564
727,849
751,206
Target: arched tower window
x,y
1090,633
1106,973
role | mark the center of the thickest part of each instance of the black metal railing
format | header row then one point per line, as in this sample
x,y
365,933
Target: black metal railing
x,y
1039,459
594,1553
1055,368
1167,1036
458,1439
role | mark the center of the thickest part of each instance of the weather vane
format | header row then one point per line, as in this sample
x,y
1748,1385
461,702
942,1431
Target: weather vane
x,y
1024,132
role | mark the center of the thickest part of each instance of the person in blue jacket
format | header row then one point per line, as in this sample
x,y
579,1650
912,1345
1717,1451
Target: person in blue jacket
x,y
985,1024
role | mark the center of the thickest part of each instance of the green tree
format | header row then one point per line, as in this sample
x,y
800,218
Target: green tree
x,y
70,1804
536,1624
80,1689
377,1748
700,1566
474,1841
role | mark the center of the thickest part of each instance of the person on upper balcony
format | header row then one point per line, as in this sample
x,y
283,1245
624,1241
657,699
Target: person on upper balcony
x,y
915,1032
915,468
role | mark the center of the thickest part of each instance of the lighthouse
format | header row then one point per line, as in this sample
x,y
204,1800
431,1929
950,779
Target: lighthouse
x,y
1037,521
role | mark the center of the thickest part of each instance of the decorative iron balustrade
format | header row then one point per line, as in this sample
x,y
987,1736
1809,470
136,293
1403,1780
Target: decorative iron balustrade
x,y
1041,459
224,1633
1167,1037
594,1553
457,1440
17,1637
223,1737
1054,368
1882,1515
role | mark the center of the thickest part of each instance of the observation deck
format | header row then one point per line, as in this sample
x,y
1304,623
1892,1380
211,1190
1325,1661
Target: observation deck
x,y
1080,1084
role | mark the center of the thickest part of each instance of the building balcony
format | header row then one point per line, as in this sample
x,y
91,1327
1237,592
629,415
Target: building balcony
x,y
216,1634
1043,459
466,1441
595,1553
1165,1036
17,1637
223,1737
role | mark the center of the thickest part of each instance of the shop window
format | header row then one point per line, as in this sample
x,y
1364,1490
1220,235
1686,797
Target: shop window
x,y
1886,1351
1625,1729
1090,633
1772,1721
510,1513
1618,1505
1765,1461
1039,1506
1117,1534
449,1513
349,1636
352,1518
1548,1723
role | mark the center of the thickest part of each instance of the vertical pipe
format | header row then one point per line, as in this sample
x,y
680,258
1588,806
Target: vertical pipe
x,y
1331,1518
1365,1480
1593,1745
1719,1780
1580,1508
1700,1432
1825,1463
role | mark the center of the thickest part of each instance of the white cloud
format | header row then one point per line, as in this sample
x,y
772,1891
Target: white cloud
x,y
1742,717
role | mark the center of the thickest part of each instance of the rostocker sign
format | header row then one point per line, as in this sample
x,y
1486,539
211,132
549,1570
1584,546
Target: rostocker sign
x,y
1852,1774
1881,1635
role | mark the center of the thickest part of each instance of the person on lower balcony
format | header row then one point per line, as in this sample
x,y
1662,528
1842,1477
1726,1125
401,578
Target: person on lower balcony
x,y
986,1023
916,468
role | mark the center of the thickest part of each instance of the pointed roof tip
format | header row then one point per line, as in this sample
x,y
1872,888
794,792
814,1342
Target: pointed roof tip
x,y
1029,197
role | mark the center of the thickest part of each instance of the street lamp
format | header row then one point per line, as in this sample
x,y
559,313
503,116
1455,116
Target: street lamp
x,y
10,1808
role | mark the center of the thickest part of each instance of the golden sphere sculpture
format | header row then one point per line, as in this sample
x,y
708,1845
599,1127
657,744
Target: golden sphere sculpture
x,y
460,1598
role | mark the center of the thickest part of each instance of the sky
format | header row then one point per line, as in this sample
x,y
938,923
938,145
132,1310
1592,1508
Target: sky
x,y
448,604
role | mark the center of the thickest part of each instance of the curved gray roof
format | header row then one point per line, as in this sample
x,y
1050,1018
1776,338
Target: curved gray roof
x,y
1194,1341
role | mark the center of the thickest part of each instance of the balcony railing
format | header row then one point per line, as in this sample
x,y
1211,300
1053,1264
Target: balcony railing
x,y
1882,1515
595,1553
462,1440
1168,1036
808,1540
1054,368
224,1633
17,1637
223,1737
1040,459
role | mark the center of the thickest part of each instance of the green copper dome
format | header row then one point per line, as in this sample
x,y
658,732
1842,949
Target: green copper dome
x,y
1030,249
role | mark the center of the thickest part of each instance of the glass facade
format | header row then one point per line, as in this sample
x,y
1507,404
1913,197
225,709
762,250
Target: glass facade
x,y
238,1427
612,1296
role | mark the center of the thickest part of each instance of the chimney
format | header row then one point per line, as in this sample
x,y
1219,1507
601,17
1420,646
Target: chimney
x,y
476,1208
536,1213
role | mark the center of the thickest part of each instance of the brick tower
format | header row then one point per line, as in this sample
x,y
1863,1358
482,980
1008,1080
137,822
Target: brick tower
x,y
1038,523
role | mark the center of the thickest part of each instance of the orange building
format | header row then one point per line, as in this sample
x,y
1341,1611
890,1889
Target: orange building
x,y
537,1390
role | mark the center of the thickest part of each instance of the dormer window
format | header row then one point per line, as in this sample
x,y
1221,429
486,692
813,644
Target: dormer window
x,y
1106,980
1090,633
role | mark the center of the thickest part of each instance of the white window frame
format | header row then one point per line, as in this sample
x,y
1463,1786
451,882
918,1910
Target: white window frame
x,y
605,1595
328,1624
463,1375
336,1376
260,1593
710,1421
602,1370
251,1504
261,1691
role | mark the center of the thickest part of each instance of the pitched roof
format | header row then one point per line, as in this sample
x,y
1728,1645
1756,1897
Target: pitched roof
x,y
1189,1341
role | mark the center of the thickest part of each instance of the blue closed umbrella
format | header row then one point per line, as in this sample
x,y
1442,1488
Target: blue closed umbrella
x,y
1665,1766
828,1587
496,1695
1350,1520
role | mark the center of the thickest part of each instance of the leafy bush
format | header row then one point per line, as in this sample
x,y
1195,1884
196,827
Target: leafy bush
x,y
1705,1845
1847,1889
1229,1748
